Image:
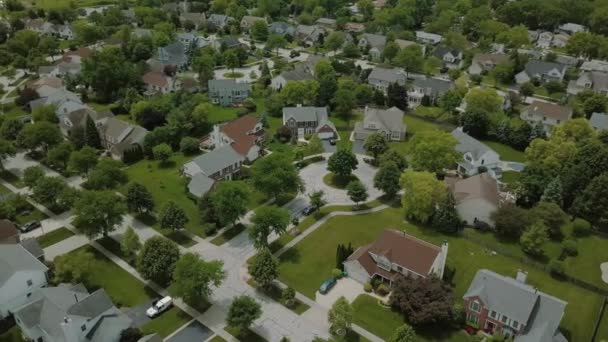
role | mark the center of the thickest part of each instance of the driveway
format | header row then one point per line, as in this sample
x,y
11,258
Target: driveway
x,y
195,331
358,147
346,287
329,148
138,314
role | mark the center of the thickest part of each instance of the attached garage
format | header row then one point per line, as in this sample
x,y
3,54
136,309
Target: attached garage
x,y
355,271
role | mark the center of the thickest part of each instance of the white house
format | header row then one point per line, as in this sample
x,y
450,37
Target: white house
x,y
475,154
21,274
386,121
547,114
157,82
428,38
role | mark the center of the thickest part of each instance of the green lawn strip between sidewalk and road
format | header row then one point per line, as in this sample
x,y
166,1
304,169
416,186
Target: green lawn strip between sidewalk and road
x,y
54,237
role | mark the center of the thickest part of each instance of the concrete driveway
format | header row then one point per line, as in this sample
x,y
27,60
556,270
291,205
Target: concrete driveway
x,y
195,331
138,313
329,148
346,287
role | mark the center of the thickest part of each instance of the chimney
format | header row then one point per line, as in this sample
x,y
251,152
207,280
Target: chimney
x,y
66,320
521,276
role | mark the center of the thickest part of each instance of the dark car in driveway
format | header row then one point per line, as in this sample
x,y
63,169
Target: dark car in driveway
x,y
28,227
308,210
327,285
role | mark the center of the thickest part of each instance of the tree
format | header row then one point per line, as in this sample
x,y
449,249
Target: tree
x,y
98,212
45,113
276,41
264,268
300,92
422,300
553,192
404,333
344,98
139,199
230,202
74,267
242,312
450,100
396,96
162,152
387,179
172,217
39,135
189,145
390,51
532,240
193,278
108,71
334,40
157,258
130,244
342,162
10,128
475,122
433,151
32,174
484,99
357,192
107,174
82,161
411,59
376,144
204,66
275,175
527,89
268,220
422,194
325,74
391,155
510,221
47,190
59,155
446,218
130,334
317,200
340,316
314,146
231,59
552,216
592,203
259,30
6,149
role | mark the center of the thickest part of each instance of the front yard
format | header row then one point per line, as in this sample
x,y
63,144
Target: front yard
x,y
310,262
54,237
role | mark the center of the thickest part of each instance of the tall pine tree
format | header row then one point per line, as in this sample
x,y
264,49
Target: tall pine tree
x,y
396,96
553,192
91,134
446,218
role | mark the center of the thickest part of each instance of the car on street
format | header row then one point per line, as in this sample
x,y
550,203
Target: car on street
x,y
294,54
28,227
327,285
159,306
308,210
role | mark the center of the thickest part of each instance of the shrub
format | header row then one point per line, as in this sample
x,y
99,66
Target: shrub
x,y
337,273
382,290
307,136
288,296
569,248
556,267
458,315
210,229
188,145
581,227
367,287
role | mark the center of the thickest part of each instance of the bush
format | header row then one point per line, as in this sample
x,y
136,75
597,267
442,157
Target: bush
x,y
367,287
382,290
581,227
569,248
458,315
210,229
188,145
556,267
336,273
307,136
288,296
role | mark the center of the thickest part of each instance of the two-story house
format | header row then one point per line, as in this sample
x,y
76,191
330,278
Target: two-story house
x,y
69,313
547,114
228,92
589,80
599,121
175,54
386,121
219,21
308,34
197,19
396,254
204,171
248,21
542,70
496,303
244,134
297,74
281,28
308,120
157,82
380,78
477,197
118,136
374,42
451,57
485,62
429,87
428,38
21,274
544,40
475,154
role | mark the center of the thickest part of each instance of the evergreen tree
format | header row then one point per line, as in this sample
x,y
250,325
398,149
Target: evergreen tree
x,y
91,134
446,217
553,192
396,96
77,137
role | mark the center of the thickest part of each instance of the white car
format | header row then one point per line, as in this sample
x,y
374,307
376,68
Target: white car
x,y
159,307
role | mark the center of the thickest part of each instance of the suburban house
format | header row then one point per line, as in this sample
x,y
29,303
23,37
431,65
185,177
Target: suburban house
x,y
174,54
599,121
326,23
571,28
452,58
228,92
496,303
484,62
219,21
381,78
198,19
188,40
71,313
567,60
117,136
43,27
248,21
375,43
281,28
477,197
505,96
475,154
227,42
308,34
204,171
533,35
244,134
589,80
544,40
428,38
354,27
308,120
8,232
157,82
21,274
386,121
394,254
297,74
78,119
594,65
429,87
64,101
402,43
547,114
541,70
560,40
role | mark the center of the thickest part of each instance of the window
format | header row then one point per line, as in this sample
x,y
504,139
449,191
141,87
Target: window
x,y
29,282
83,327
503,319
473,318
399,268
28,295
493,314
515,324
475,306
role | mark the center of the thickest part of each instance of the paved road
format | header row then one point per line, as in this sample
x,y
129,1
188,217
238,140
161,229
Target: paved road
x,y
194,331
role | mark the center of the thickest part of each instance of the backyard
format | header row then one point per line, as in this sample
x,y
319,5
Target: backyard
x,y
309,263
506,153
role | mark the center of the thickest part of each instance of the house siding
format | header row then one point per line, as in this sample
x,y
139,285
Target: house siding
x,y
14,292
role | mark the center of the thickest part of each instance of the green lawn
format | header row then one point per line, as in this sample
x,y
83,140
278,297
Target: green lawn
x,y
413,126
309,263
113,247
245,336
506,153
228,234
510,177
32,214
11,178
602,333
217,338
12,335
11,111
54,237
166,323
222,114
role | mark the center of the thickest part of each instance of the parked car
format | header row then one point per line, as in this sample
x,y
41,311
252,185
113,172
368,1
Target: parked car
x,y
159,306
327,285
28,227
308,210
294,53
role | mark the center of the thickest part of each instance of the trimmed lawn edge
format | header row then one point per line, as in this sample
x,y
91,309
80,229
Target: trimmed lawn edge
x,y
54,237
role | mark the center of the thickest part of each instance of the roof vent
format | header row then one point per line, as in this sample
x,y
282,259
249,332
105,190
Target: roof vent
x,y
521,276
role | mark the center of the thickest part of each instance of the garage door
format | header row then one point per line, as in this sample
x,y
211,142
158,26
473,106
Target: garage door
x,y
326,135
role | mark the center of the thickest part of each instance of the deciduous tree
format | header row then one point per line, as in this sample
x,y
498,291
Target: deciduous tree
x,y
342,162
98,212
533,239
242,312
275,176
422,193
139,199
404,333
156,260
357,192
130,244
422,300
82,161
268,220
171,216
376,144
433,151
340,316
230,202
264,268
387,179
194,278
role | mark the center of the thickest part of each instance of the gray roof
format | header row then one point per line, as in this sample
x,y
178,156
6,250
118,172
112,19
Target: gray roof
x,y
297,74
229,84
534,67
391,119
599,121
435,85
15,258
217,160
200,184
441,51
375,40
280,27
301,114
32,246
467,143
387,75
172,54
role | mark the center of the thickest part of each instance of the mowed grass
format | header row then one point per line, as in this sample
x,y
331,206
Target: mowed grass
x,y
12,335
413,125
54,237
602,332
167,323
506,153
310,262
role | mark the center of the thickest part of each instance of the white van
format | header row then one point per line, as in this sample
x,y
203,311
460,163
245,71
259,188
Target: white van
x,y
159,307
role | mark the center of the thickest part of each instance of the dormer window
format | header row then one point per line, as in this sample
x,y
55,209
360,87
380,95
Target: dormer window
x,y
475,306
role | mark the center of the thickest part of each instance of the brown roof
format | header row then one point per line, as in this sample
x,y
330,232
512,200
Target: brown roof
x,y
239,131
400,248
550,110
51,81
7,229
82,52
155,78
490,57
479,186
